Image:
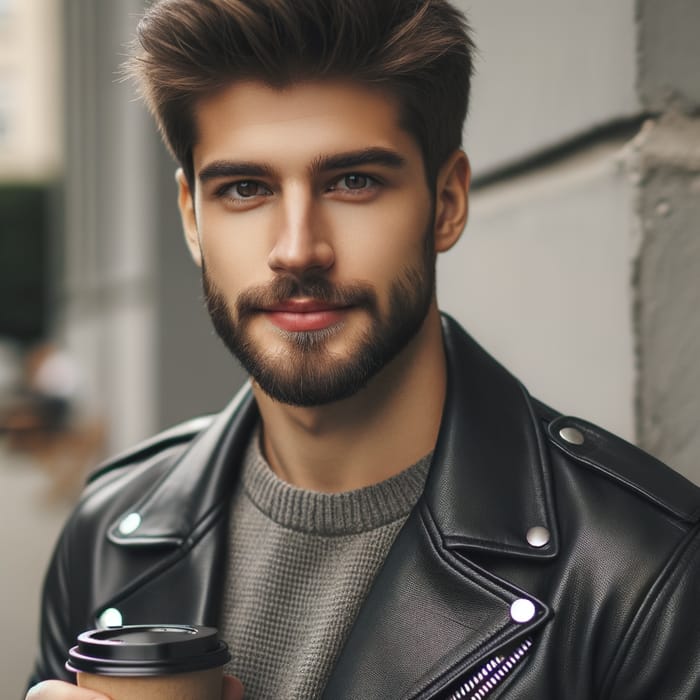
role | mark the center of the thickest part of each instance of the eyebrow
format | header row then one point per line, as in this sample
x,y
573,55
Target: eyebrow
x,y
230,168
354,159
322,164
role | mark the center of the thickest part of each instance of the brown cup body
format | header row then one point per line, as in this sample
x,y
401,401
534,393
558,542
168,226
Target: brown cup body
x,y
196,685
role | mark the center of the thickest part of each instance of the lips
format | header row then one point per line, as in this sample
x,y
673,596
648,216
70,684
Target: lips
x,y
303,315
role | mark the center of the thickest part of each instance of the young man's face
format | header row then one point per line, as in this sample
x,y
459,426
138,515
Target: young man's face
x,y
313,224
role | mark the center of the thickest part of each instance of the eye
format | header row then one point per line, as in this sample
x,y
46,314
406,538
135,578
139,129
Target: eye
x,y
247,188
242,193
354,182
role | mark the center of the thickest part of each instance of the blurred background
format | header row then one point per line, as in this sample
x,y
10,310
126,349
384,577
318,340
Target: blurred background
x,y
579,269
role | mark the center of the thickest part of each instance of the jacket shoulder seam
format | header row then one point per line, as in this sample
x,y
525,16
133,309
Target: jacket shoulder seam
x,y
627,465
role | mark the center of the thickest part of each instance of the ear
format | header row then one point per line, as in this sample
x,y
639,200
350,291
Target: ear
x,y
185,202
451,200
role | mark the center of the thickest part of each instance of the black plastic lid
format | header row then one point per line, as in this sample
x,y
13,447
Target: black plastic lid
x,y
147,650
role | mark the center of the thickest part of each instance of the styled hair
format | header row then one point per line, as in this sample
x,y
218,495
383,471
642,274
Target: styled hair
x,y
419,51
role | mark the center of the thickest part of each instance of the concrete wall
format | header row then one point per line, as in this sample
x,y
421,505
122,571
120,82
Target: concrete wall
x,y
667,308
669,54
667,301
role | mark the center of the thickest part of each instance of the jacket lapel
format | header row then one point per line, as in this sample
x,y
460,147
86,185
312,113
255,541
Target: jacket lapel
x,y
201,479
488,485
490,481
430,617
173,564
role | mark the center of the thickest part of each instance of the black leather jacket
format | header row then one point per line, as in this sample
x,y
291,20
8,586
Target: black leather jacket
x,y
605,602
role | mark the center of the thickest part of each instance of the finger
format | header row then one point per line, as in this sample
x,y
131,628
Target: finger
x,y
232,689
58,690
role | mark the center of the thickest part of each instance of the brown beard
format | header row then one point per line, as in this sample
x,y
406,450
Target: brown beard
x,y
309,374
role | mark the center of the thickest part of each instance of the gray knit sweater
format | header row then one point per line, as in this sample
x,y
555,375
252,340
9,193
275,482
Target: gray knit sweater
x,y
299,565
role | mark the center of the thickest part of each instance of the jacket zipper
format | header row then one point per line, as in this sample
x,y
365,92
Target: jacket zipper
x,y
492,674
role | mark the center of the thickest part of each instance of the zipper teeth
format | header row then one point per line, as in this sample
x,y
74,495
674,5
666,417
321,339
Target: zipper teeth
x,y
491,674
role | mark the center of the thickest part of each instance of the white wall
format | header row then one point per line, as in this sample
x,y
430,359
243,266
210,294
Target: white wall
x,y
547,71
541,278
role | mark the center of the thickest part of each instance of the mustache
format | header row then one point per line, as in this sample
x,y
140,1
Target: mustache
x,y
317,287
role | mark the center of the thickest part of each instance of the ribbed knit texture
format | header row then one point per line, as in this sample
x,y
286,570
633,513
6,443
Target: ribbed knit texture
x,y
300,564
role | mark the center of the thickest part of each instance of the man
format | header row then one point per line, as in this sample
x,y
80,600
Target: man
x,y
384,512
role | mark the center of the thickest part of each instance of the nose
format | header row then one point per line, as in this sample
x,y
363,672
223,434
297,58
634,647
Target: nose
x,y
301,240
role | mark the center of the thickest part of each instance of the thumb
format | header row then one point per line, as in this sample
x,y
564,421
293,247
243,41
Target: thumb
x,y
58,690
232,689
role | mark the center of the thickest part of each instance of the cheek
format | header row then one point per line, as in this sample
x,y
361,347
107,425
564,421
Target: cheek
x,y
382,241
235,253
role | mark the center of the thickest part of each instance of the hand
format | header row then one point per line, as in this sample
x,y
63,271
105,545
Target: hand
x,y
58,690
232,689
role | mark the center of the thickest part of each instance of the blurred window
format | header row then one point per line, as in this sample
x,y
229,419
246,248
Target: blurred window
x,y
6,107
6,12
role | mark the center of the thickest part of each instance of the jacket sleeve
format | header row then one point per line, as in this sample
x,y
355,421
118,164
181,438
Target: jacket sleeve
x,y
660,654
55,632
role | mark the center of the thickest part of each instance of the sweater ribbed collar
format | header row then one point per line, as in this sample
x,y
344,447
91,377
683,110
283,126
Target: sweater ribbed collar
x,y
318,513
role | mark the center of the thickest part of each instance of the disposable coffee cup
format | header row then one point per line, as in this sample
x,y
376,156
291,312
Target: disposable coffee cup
x,y
151,662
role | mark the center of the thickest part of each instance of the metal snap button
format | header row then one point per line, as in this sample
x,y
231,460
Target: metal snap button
x,y
522,610
111,617
130,523
572,435
538,536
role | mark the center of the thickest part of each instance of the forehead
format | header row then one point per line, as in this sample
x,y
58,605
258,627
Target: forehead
x,y
255,120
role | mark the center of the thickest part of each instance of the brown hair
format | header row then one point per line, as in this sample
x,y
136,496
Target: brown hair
x,y
420,51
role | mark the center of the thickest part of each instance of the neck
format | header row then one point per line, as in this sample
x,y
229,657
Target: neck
x,y
373,435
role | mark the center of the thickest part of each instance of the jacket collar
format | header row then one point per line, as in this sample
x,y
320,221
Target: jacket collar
x,y
488,485
199,482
